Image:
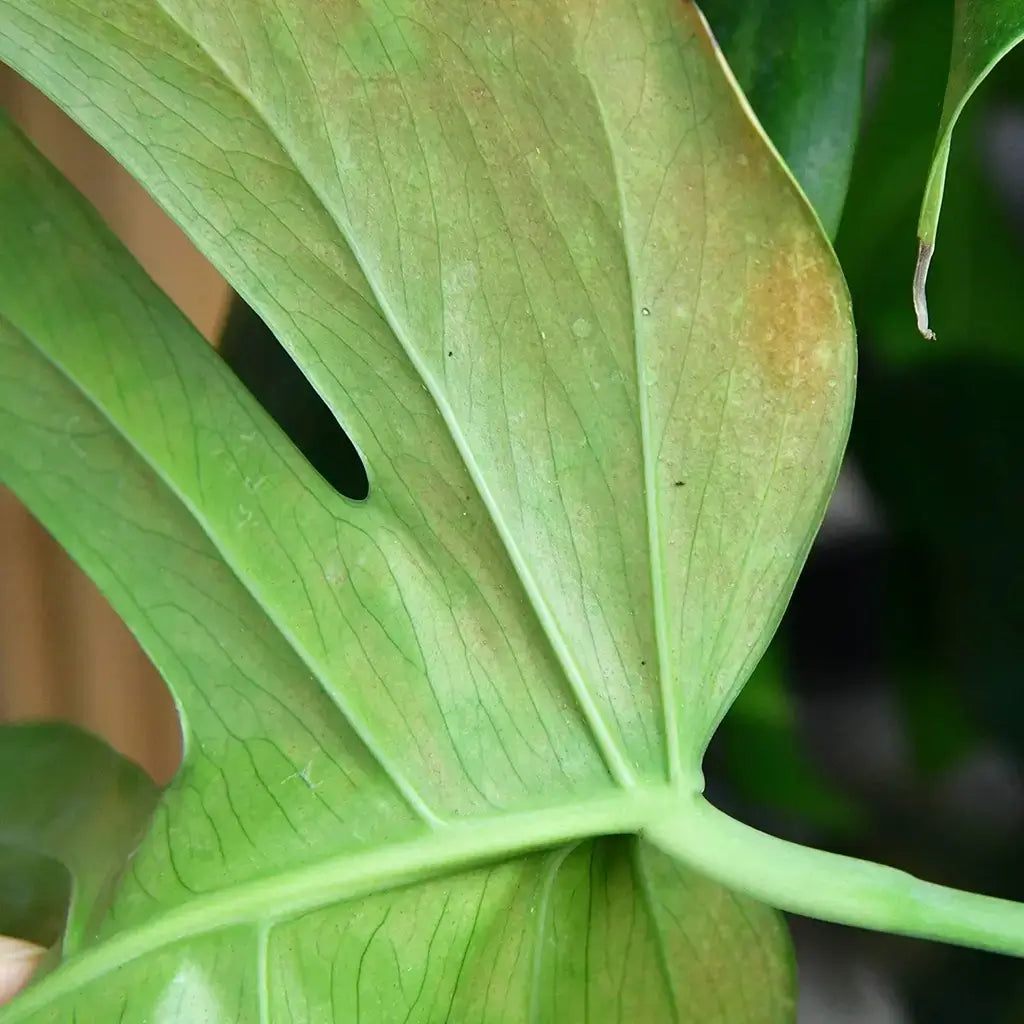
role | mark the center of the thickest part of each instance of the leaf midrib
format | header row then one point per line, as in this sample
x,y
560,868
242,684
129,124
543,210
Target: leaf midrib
x,y
655,551
348,876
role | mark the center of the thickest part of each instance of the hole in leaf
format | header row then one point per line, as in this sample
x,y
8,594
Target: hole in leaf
x,y
276,382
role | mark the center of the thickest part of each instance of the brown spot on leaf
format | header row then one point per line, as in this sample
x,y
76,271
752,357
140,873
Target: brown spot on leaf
x,y
795,321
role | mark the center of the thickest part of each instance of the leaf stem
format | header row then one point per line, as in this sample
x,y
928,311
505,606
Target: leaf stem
x,y
833,887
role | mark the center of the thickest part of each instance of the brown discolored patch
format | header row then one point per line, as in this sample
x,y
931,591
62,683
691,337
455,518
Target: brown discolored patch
x,y
796,321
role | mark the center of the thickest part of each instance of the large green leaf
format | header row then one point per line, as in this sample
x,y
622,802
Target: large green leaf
x,y
454,646
554,408
983,32
597,358
801,65
277,874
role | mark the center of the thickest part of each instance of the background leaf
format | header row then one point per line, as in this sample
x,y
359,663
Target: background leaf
x,y
73,811
975,271
983,32
801,66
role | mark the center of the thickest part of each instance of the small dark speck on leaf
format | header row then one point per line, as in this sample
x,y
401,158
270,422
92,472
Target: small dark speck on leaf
x,y
679,483
642,662
450,352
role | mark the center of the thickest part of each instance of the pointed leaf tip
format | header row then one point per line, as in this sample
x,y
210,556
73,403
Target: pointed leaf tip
x,y
924,259
983,33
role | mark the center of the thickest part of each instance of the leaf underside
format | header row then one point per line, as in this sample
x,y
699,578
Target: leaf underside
x,y
598,361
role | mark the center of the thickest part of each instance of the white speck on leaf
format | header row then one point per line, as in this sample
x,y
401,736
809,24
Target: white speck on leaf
x,y
305,775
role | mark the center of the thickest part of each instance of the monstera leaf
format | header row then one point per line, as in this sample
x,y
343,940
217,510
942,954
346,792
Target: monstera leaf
x,y
443,744
983,32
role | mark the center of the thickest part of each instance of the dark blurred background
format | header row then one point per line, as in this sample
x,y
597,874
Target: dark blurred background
x,y
887,720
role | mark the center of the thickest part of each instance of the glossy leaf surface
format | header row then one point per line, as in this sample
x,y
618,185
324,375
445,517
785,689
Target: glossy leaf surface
x,y
983,32
597,359
801,66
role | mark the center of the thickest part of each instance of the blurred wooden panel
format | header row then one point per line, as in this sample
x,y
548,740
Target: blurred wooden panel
x,y
63,651
158,244
65,654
